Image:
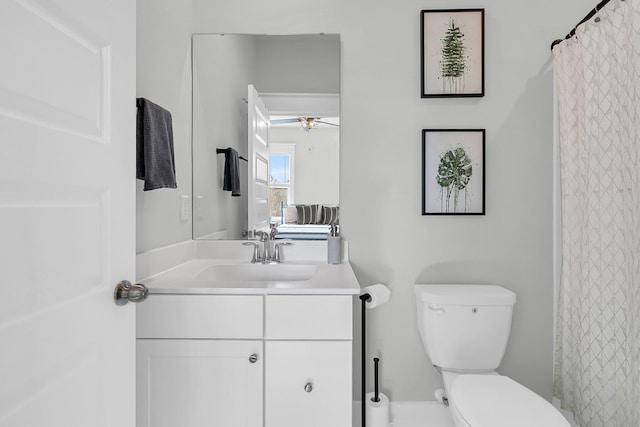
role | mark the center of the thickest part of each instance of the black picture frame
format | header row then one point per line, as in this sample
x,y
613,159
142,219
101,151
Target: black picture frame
x,y
453,171
451,53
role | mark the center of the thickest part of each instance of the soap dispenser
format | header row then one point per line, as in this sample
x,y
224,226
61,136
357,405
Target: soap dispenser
x,y
334,246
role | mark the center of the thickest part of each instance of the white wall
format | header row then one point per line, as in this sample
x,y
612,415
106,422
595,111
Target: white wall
x,y
164,30
317,163
382,116
222,67
301,64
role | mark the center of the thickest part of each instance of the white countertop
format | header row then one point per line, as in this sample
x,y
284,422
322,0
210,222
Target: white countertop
x,y
329,279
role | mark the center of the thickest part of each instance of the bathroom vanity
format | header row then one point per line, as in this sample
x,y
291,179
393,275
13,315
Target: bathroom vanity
x,y
219,346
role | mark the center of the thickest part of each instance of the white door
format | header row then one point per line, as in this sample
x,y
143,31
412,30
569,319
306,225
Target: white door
x,y
67,212
258,188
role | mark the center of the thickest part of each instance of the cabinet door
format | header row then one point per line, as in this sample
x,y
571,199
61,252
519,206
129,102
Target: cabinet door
x,y
198,383
323,365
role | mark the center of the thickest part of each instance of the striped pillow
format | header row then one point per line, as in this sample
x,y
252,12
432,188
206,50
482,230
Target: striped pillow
x,y
307,214
290,215
330,214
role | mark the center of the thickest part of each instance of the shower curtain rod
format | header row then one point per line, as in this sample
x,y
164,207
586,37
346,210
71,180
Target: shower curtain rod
x,y
590,15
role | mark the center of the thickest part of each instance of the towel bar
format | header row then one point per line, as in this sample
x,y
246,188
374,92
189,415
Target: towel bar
x,y
225,150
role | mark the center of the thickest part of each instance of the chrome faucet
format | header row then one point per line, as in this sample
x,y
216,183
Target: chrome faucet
x,y
263,256
257,255
266,255
265,238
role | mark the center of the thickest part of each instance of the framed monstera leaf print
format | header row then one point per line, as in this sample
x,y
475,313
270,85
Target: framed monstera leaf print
x,y
453,171
452,53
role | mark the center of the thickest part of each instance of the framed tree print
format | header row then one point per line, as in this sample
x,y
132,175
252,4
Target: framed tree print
x,y
453,171
452,53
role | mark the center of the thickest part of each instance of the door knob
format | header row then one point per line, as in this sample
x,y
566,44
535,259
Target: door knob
x,y
125,292
253,358
308,387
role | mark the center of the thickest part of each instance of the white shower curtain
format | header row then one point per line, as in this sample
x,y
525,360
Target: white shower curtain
x,y
597,369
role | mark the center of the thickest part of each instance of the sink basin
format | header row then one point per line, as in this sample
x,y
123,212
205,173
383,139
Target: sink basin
x,y
258,272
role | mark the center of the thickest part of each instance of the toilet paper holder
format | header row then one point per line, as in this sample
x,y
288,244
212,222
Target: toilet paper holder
x,y
365,298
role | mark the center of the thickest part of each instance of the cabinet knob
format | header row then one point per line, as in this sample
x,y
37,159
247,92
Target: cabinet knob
x,y
308,387
253,358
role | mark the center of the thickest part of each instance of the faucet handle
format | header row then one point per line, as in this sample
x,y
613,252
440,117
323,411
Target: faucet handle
x,y
277,255
256,253
262,235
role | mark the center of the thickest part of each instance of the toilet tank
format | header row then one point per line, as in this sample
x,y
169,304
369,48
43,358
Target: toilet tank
x,y
464,327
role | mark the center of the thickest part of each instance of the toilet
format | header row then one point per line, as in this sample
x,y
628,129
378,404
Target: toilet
x,y
465,330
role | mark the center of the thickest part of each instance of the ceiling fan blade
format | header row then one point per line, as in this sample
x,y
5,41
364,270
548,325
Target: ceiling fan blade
x,y
327,123
284,121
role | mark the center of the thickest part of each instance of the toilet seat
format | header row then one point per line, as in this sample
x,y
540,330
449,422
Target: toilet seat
x,y
498,401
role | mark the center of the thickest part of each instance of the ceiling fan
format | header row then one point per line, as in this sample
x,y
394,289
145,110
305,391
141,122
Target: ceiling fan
x,y
306,123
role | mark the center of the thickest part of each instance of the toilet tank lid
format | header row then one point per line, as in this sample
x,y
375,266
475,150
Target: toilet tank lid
x,y
465,294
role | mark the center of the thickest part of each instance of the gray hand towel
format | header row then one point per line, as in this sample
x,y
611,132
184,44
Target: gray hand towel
x,y
231,174
155,161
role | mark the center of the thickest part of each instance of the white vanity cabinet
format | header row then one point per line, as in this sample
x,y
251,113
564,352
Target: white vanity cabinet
x,y
308,340
308,384
199,383
244,360
200,361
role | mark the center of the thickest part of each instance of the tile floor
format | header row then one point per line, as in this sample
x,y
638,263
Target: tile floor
x,y
422,414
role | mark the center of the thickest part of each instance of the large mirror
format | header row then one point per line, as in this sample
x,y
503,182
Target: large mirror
x,y
296,79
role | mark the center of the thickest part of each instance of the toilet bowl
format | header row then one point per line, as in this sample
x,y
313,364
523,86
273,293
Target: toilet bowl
x,y
498,401
465,329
